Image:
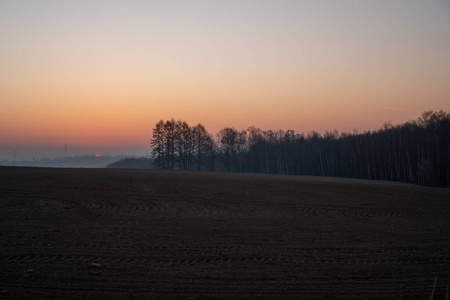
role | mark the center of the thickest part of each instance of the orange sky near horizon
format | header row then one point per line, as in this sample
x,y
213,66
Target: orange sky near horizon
x,y
101,75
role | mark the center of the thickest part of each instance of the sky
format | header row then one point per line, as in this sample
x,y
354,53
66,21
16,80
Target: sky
x,y
97,75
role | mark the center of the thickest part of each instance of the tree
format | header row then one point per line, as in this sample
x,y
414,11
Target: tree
x,y
171,136
232,146
203,147
157,143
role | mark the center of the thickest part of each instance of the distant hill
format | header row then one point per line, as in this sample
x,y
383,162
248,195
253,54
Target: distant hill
x,y
132,163
84,161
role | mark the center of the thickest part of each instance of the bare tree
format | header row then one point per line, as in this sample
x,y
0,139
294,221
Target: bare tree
x,y
157,143
203,146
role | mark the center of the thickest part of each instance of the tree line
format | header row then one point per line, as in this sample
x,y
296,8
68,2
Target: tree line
x,y
176,145
414,152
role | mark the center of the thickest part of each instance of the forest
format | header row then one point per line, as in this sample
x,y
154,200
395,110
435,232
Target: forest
x,y
415,152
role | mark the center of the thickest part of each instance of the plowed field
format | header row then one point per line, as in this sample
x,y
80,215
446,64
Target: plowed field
x,y
133,234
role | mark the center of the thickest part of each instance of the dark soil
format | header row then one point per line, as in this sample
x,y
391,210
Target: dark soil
x,y
133,234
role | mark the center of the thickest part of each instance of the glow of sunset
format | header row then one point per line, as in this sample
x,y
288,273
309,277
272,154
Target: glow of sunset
x,y
100,74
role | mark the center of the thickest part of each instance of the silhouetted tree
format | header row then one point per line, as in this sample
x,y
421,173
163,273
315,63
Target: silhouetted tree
x,y
203,147
232,148
157,143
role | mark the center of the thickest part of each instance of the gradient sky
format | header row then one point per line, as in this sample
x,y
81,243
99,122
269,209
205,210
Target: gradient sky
x,y
97,75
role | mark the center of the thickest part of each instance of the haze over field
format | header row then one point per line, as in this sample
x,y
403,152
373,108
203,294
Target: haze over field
x,y
97,75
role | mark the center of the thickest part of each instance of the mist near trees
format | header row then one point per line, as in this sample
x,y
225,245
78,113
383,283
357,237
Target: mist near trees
x,y
81,161
415,152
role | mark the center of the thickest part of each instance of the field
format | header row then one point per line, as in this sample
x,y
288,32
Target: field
x,y
133,234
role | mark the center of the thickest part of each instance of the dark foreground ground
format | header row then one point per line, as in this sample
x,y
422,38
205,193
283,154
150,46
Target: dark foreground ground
x,y
133,234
